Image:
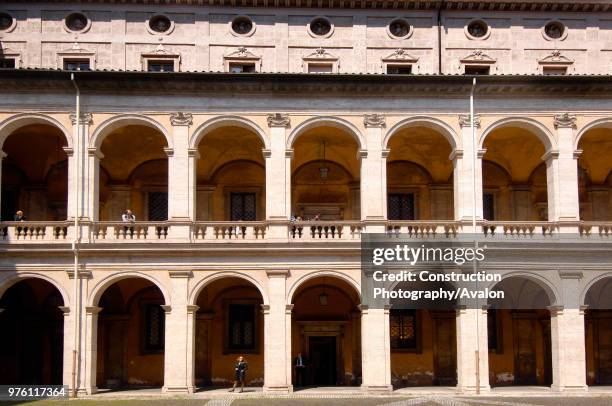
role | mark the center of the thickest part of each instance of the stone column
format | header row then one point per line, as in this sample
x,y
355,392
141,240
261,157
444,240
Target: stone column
x,y
177,370
277,340
192,311
2,156
181,194
77,158
373,171
568,337
92,209
278,177
68,343
91,349
472,351
463,160
375,350
562,172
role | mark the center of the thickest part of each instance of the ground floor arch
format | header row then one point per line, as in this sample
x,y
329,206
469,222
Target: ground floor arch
x,y
32,339
598,332
325,333
130,338
229,323
519,333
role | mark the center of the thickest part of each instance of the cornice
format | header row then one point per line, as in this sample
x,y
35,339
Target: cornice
x,y
287,84
489,5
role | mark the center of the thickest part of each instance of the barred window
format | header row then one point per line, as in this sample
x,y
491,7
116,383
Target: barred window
x,y
403,326
158,206
400,206
154,328
241,326
243,207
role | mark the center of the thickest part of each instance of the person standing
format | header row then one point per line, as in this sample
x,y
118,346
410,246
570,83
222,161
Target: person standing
x,y
128,217
19,216
240,368
300,369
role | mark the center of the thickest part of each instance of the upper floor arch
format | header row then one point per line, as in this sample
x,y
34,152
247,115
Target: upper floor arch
x,y
326,121
434,124
13,123
108,126
600,123
533,126
227,121
12,279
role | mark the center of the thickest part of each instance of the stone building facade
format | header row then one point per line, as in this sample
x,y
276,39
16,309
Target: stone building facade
x,y
253,180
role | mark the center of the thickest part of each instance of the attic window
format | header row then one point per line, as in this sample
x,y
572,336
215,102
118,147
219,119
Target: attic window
x,y
477,70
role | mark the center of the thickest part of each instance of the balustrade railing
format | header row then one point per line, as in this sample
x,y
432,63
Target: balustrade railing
x,y
130,231
423,229
39,231
519,228
325,230
239,230
215,231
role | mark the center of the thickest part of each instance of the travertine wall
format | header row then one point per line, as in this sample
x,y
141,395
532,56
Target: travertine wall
x,y
201,38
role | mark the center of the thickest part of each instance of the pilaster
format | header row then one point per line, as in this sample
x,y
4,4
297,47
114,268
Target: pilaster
x,y
181,193
467,172
568,349
177,370
472,351
373,188
278,176
277,340
375,350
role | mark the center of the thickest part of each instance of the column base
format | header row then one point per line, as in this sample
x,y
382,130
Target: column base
x,y
471,390
278,389
377,388
178,389
569,388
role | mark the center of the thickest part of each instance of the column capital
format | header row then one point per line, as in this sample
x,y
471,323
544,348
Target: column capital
x,y
465,120
68,150
570,274
577,153
166,308
362,153
180,274
374,120
169,152
192,309
265,309
2,155
565,120
455,154
289,153
64,309
85,119
93,309
82,274
94,152
181,119
550,154
480,153
267,153
193,152
277,273
279,120
555,310
288,309
384,154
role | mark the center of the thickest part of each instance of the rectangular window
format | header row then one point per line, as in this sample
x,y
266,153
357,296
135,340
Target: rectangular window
x,y
7,63
400,206
403,326
243,207
241,326
320,68
241,67
154,328
160,66
158,206
477,70
76,64
554,70
399,69
488,206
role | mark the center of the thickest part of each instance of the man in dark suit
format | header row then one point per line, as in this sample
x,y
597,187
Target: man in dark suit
x,y
300,363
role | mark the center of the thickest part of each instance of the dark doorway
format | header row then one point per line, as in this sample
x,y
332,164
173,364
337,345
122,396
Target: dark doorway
x,y
602,345
322,351
444,346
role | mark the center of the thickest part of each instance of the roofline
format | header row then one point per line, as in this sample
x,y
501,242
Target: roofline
x,y
482,5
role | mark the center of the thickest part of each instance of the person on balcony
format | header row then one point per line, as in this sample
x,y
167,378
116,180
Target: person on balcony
x,y
128,217
240,369
19,216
